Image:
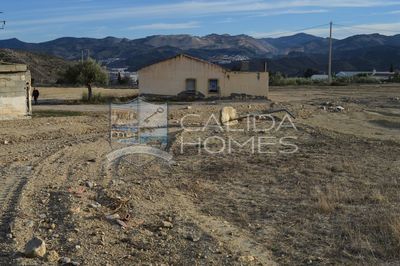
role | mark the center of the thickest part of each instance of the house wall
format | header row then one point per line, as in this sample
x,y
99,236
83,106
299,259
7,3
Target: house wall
x,y
13,93
250,83
168,78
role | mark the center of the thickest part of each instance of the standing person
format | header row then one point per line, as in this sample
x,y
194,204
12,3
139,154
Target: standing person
x,y
35,95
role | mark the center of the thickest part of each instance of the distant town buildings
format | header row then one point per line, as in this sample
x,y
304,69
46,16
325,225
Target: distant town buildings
x,y
228,59
115,74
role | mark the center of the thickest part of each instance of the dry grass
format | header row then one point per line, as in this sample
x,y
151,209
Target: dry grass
x,y
394,226
377,197
53,93
325,204
329,199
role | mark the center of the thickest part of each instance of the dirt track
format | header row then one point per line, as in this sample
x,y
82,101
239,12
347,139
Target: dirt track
x,y
336,201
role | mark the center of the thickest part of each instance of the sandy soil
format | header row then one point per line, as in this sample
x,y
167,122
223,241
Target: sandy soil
x,y
334,201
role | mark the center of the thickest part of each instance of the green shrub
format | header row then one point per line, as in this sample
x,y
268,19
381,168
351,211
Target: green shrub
x,y
278,79
98,98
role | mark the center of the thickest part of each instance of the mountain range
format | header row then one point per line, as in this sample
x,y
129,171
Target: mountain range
x,y
291,55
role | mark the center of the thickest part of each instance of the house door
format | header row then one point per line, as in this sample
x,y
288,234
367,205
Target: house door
x,y
191,85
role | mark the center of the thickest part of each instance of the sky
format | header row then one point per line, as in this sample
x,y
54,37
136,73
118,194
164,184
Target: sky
x,y
44,20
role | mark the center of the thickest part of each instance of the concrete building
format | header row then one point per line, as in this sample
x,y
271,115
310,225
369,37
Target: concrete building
x,y
15,92
184,74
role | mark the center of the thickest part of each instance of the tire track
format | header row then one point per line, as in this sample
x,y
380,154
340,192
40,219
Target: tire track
x,y
14,176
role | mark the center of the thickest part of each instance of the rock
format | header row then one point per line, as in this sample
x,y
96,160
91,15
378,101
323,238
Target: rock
x,y
9,236
90,184
395,99
246,259
6,142
52,256
42,216
64,260
167,224
36,247
227,115
193,237
53,226
189,107
339,108
121,223
113,217
95,205
77,247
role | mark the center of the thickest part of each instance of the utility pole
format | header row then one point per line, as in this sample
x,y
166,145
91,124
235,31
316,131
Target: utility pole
x,y
2,23
330,54
87,54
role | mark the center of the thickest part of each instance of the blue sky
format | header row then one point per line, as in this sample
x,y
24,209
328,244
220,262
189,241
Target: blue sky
x,y
43,20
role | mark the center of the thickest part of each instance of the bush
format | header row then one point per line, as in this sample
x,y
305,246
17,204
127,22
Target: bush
x,y
396,78
278,79
98,98
358,80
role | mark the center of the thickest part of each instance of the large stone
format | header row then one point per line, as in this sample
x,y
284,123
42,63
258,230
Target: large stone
x,y
36,247
228,114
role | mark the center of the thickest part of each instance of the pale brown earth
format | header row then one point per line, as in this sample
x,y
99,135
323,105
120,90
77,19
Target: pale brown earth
x,y
335,201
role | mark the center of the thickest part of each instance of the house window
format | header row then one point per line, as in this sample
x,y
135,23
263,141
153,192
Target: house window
x,y
191,85
213,86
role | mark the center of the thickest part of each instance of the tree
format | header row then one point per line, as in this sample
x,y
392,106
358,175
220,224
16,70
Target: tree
x,y
87,73
391,68
119,78
310,72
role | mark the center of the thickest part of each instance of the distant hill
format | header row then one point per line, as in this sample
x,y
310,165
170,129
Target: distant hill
x,y
44,68
291,54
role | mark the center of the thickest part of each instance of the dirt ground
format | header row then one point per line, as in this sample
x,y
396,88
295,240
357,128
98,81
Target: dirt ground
x,y
324,191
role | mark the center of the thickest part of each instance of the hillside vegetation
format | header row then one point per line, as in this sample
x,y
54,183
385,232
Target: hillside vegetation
x,y
45,69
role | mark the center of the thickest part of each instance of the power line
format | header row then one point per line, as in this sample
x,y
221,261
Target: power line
x,y
365,28
297,31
